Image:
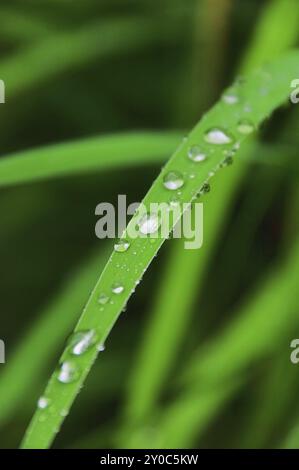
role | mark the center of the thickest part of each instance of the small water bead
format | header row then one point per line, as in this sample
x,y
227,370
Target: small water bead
x,y
101,347
43,403
230,97
206,188
174,201
245,126
196,154
218,136
63,413
68,372
103,299
227,161
117,288
149,223
173,180
121,246
81,341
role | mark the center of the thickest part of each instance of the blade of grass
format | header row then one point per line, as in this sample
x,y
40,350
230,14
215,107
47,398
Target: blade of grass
x,y
61,52
225,358
123,267
87,155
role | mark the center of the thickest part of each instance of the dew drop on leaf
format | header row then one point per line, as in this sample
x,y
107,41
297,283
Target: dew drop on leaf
x,y
103,299
149,223
117,288
121,246
230,97
173,180
68,372
196,154
43,403
81,341
218,136
245,126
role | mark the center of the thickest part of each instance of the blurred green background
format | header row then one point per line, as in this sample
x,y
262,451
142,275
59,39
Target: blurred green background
x,y
201,357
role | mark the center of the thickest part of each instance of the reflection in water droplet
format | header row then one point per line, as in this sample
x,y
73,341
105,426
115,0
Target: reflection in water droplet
x,y
81,341
245,126
196,154
117,288
218,136
149,223
173,180
68,372
121,246
230,97
103,299
43,403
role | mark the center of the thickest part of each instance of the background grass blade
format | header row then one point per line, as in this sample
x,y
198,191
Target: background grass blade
x,y
100,153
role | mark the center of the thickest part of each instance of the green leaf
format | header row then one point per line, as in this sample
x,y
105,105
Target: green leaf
x,y
263,90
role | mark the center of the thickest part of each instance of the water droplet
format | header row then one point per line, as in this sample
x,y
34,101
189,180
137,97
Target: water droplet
x,y
174,201
206,188
68,372
218,136
103,299
63,413
245,126
81,341
173,180
43,403
121,246
227,161
117,288
196,154
101,347
230,97
149,223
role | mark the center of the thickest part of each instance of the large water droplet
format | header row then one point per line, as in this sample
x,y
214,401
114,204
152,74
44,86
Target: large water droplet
x,y
81,341
196,154
68,372
117,288
173,180
245,126
149,223
218,136
103,299
121,246
43,403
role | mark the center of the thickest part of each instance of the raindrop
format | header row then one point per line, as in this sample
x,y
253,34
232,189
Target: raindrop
x,y
81,341
218,136
230,97
149,223
121,246
103,299
173,180
245,126
101,347
196,154
117,288
206,188
43,403
68,372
